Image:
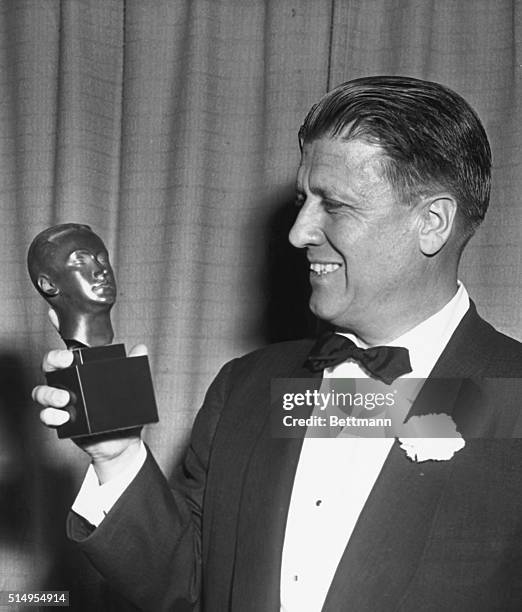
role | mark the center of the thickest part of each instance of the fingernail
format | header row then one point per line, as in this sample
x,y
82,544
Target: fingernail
x,y
60,397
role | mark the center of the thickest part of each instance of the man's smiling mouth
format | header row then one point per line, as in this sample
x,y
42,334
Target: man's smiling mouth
x,y
323,268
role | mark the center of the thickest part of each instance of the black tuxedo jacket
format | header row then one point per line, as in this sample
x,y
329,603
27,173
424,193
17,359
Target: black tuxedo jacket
x,y
437,536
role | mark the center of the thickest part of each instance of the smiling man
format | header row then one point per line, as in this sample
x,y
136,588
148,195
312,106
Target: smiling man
x,y
366,259
393,181
392,174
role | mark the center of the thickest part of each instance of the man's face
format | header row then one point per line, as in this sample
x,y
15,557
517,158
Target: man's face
x,y
361,242
83,274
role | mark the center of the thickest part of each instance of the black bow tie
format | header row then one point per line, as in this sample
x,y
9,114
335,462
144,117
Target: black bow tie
x,y
385,362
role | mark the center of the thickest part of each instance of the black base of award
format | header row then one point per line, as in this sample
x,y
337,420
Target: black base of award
x,y
109,391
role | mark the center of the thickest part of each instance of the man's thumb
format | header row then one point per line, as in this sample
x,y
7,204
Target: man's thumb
x,y
138,350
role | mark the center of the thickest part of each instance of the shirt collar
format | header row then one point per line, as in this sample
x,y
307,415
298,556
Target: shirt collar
x,y
426,341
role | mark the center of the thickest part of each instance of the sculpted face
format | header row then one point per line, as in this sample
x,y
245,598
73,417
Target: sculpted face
x,y
81,278
361,241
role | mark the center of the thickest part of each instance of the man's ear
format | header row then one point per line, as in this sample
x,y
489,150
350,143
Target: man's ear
x,y
438,217
46,285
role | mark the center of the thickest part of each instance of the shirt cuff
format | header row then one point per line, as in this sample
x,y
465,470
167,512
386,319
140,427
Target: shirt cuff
x,y
94,501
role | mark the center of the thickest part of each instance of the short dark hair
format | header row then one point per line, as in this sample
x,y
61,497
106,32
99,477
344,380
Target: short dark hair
x,y
431,137
45,244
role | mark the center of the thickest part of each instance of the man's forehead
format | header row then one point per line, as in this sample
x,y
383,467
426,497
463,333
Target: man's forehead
x,y
331,157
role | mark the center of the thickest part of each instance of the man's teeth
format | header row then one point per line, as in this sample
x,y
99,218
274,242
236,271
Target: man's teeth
x,y
320,268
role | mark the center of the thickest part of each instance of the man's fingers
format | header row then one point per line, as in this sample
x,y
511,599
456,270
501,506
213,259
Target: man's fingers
x,y
138,350
56,360
59,359
54,400
54,418
51,397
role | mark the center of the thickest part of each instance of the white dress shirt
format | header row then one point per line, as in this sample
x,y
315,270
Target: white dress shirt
x,y
335,476
94,500
324,507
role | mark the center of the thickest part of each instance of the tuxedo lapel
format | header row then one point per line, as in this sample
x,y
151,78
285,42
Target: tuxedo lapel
x,y
387,542
386,545
464,355
264,506
453,387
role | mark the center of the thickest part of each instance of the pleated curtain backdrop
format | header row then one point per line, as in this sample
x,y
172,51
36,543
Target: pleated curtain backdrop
x,y
170,127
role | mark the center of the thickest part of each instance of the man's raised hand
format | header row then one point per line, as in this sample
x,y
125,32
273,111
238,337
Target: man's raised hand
x,y
111,452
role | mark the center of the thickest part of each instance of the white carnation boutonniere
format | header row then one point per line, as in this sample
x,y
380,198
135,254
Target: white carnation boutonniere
x,y
431,437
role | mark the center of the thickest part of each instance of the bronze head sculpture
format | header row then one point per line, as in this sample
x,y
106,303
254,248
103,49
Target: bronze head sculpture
x,y
69,266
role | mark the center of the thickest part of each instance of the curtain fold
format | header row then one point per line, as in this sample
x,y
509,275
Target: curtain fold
x,y
171,128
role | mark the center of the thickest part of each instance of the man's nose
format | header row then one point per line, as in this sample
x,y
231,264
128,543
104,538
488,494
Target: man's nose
x,y
307,229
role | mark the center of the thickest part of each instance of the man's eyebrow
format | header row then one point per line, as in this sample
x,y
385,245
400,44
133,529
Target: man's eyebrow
x,y
327,193
324,192
321,191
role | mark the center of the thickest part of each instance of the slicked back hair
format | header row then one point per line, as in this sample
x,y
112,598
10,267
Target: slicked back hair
x,y
432,139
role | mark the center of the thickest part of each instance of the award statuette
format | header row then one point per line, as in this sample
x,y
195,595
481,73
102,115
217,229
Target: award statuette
x,y
69,266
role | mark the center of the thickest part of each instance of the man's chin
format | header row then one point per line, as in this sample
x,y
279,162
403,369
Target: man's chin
x,y
342,315
327,313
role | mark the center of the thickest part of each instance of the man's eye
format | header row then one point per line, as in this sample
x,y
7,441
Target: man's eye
x,y
332,205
